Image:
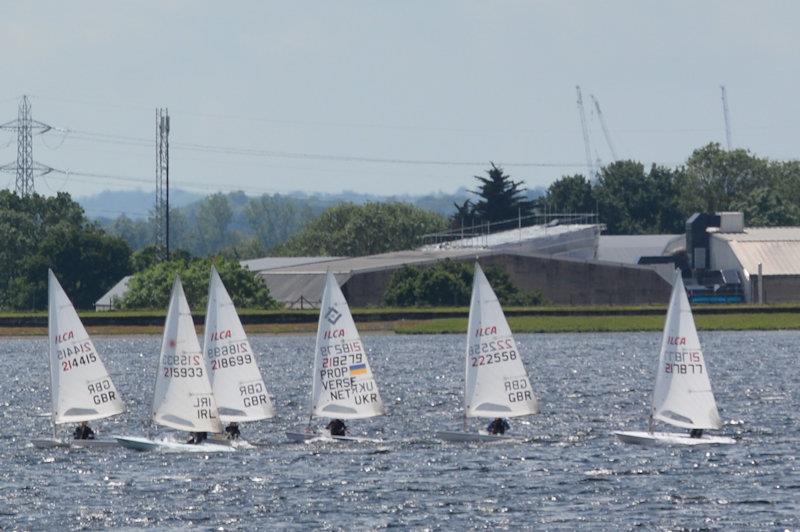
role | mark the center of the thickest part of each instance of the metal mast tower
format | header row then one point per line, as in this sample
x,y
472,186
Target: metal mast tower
x,y
603,124
162,183
585,129
25,167
727,115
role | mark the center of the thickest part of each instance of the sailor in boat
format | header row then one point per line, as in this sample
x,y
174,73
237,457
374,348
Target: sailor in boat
x,y
498,426
232,431
337,427
83,432
197,438
696,433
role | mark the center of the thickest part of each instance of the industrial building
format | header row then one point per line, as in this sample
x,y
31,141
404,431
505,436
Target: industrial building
x,y
570,264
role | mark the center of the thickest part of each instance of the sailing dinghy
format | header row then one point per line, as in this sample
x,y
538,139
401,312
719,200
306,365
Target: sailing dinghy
x,y
182,399
80,387
496,383
237,384
682,396
344,387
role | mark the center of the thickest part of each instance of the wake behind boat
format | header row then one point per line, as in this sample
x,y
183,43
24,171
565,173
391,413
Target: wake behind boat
x,y
343,385
146,444
682,396
496,383
183,398
80,387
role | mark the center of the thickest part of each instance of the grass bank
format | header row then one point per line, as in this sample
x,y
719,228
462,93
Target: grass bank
x,y
613,323
436,320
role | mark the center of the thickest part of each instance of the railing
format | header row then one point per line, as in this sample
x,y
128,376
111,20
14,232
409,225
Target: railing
x,y
477,230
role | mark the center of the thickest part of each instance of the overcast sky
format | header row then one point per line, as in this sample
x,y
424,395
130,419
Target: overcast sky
x,y
389,97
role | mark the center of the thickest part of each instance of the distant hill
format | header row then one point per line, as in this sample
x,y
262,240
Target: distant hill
x,y
255,224
135,204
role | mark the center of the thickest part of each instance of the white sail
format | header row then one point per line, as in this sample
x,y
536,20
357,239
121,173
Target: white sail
x,y
343,383
497,384
183,399
239,390
80,386
682,396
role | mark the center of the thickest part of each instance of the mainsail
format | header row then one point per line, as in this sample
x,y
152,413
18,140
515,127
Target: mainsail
x,y
239,390
497,384
343,383
682,395
81,387
183,399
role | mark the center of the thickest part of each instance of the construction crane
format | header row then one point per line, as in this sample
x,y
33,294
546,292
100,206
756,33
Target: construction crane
x,y
586,145
727,115
603,124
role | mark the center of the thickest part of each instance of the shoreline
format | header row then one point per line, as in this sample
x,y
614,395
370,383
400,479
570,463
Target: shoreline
x,y
440,321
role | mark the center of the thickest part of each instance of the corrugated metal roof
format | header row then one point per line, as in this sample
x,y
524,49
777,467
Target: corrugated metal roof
x,y
778,257
763,234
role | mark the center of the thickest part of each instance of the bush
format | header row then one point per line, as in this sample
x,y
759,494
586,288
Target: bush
x,y
150,288
449,283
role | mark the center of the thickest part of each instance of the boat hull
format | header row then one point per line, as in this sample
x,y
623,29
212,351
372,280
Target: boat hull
x,y
303,437
146,444
50,443
454,436
670,438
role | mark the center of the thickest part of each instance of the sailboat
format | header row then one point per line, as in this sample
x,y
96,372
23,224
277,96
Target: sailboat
x,y
343,384
183,398
237,384
682,396
496,384
80,386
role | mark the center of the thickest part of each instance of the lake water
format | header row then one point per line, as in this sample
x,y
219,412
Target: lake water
x,y
573,475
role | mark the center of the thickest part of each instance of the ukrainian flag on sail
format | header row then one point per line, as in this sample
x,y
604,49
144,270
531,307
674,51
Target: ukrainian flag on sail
x,y
358,369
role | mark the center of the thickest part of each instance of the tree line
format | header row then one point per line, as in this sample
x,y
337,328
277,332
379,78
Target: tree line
x,y
631,199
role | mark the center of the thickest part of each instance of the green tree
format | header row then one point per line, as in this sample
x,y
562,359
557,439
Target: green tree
x,y
716,179
358,230
449,283
631,201
150,288
501,198
212,218
570,194
37,233
274,219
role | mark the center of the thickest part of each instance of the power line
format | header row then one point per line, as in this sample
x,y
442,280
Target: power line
x,y
25,167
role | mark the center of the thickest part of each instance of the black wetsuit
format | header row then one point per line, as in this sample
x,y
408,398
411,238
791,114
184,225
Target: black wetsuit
x,y
696,433
198,437
498,426
233,431
83,432
337,427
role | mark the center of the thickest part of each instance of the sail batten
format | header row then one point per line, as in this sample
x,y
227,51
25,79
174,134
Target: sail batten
x,y
343,385
682,395
183,398
239,389
80,386
496,382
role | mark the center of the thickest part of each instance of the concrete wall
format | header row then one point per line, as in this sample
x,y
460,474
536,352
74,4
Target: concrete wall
x,y
562,281
777,288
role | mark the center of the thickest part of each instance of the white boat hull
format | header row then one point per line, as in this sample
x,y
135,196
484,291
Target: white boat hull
x,y
453,436
50,443
146,444
670,438
303,437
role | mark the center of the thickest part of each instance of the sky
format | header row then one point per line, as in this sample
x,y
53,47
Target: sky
x,y
404,97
